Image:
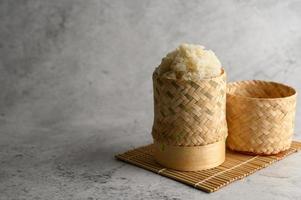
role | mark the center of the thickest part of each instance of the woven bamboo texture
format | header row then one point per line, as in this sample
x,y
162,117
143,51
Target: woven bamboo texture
x,y
260,116
189,113
236,166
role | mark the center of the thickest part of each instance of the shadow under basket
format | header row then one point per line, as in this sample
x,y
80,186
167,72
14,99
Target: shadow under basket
x,y
260,116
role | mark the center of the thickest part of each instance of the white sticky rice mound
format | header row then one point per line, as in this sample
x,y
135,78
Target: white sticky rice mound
x,y
190,62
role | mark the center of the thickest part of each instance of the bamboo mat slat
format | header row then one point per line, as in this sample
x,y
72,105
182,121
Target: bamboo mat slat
x,y
236,166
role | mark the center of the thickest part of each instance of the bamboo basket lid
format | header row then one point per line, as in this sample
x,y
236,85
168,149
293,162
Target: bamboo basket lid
x,y
260,116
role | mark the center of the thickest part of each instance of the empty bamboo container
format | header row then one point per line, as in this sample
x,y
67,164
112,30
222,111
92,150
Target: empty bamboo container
x,y
260,116
190,128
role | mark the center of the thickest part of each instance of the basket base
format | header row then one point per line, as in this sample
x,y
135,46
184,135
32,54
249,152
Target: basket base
x,y
260,154
193,158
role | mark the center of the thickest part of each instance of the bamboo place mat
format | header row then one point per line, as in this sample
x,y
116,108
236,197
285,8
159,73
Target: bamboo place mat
x,y
236,166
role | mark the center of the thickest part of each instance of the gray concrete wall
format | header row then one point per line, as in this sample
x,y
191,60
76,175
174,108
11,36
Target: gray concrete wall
x,y
91,61
78,73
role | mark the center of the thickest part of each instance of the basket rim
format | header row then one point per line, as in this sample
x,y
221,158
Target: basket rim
x,y
222,74
262,99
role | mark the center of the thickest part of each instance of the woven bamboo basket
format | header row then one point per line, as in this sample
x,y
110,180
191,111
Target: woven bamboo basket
x,y
190,126
260,116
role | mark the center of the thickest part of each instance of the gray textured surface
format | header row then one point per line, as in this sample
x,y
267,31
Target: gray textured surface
x,y
75,80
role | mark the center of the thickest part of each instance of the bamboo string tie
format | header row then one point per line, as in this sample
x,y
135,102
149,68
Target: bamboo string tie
x,y
161,170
